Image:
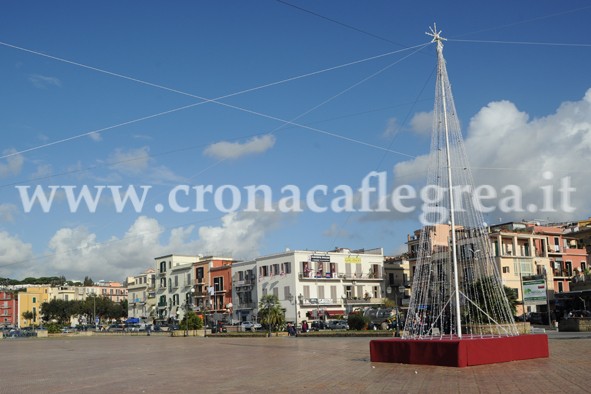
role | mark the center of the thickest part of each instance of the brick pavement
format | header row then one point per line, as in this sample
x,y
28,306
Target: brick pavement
x,y
141,364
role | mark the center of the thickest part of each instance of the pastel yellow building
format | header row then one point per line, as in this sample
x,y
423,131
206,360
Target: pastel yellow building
x,y
30,300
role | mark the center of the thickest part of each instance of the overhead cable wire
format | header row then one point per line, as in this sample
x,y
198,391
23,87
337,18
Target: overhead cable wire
x,y
324,102
341,23
562,44
522,22
204,100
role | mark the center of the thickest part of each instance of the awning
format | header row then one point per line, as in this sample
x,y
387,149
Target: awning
x,y
333,312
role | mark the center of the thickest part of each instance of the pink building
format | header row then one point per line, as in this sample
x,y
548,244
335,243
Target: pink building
x,y
567,259
8,308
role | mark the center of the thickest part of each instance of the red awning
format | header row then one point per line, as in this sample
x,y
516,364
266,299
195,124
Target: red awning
x,y
334,312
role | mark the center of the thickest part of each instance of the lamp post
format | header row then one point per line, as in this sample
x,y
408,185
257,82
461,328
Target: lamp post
x,y
301,301
400,292
188,303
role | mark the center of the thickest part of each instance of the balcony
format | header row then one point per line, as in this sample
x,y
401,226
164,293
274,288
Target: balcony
x,y
246,305
363,301
320,301
162,304
562,273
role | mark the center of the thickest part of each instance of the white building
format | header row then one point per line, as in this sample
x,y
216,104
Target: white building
x,y
174,282
310,284
141,295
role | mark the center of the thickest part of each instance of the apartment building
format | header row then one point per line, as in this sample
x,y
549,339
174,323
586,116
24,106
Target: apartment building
x,y
174,282
310,284
31,300
141,295
8,308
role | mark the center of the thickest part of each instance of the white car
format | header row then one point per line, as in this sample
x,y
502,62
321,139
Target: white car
x,y
249,326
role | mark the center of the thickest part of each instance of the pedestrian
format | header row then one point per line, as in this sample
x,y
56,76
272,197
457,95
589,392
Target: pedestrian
x,y
148,329
304,326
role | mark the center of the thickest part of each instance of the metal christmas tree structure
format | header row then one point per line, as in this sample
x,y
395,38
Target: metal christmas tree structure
x,y
457,288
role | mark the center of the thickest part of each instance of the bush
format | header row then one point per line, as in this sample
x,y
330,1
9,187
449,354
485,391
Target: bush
x,y
358,322
53,328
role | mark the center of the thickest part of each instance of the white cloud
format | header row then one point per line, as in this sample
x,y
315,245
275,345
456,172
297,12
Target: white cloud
x,y
392,128
422,123
506,147
233,150
14,163
240,234
13,253
77,252
95,136
43,170
7,212
131,161
336,231
42,81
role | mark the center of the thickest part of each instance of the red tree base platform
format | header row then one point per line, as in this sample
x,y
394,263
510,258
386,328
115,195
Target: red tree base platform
x,y
459,352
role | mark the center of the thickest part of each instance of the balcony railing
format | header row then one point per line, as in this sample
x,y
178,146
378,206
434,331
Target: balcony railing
x,y
354,276
364,301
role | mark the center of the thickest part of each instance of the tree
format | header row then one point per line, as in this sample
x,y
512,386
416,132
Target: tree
x,y
194,322
512,298
481,296
270,312
357,321
88,281
28,315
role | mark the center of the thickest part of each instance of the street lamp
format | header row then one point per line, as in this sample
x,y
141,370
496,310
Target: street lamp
x,y
188,303
400,292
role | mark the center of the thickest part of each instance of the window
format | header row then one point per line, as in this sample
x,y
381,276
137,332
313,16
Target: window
x,y
276,292
390,279
320,291
306,269
162,266
276,269
264,271
176,281
506,270
34,300
569,268
286,293
287,267
319,269
218,283
200,274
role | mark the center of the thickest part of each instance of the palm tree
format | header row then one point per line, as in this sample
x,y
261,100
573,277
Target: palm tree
x,y
270,311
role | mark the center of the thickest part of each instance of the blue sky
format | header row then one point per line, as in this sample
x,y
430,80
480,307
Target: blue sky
x,y
519,73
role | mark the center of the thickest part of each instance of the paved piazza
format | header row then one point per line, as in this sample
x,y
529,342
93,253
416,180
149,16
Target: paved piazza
x,y
162,364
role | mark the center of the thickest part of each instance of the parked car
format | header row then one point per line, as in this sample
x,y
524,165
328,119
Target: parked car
x,y
580,313
116,328
250,326
338,325
316,325
538,318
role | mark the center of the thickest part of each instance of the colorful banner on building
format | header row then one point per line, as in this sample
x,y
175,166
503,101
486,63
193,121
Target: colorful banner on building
x,y
534,292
